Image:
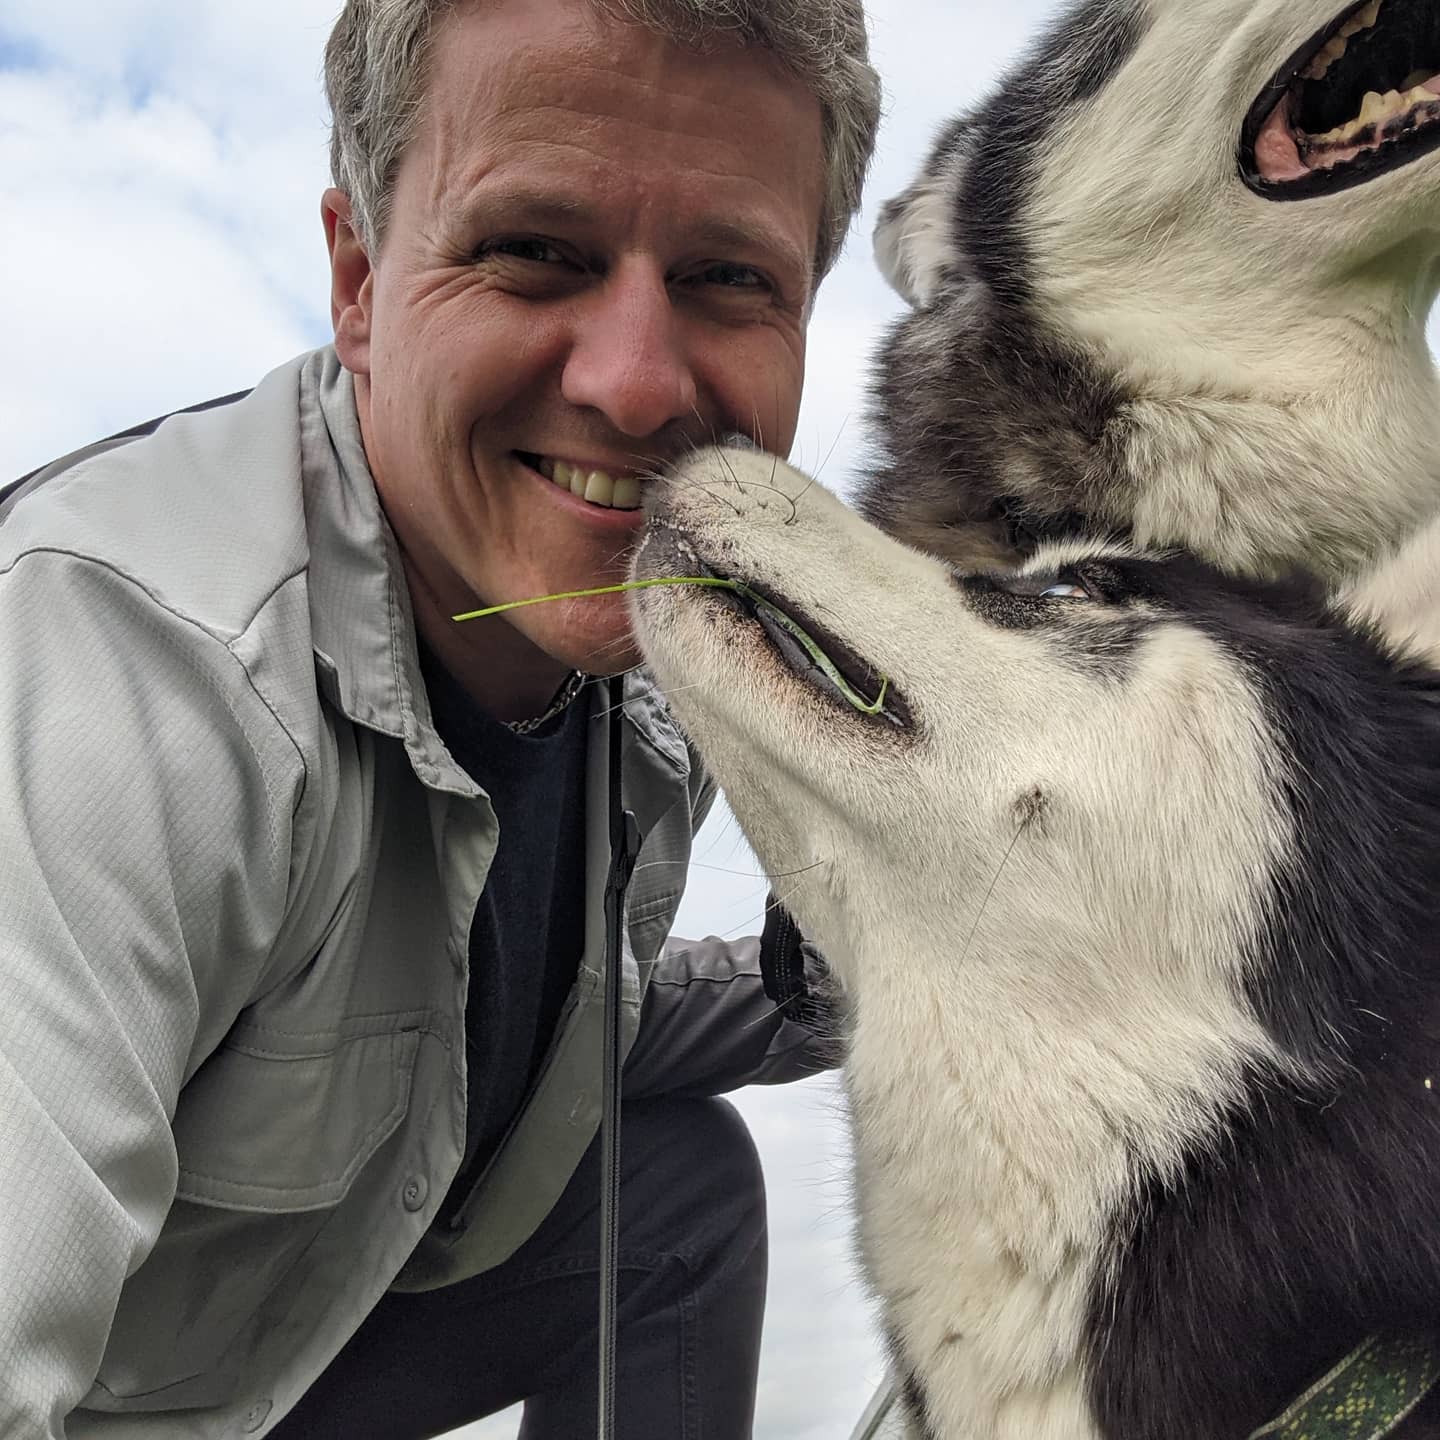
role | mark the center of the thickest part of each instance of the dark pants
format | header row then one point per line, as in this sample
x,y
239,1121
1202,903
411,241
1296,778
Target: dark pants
x,y
692,1291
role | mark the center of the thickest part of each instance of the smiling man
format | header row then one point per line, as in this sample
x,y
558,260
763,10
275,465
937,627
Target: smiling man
x,y
302,950
599,250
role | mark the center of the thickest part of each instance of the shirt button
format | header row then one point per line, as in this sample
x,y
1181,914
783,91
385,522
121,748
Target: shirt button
x,y
417,1187
256,1415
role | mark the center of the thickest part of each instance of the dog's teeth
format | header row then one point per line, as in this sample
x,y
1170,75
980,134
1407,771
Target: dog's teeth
x,y
547,467
1374,107
1333,49
627,493
1375,111
1361,20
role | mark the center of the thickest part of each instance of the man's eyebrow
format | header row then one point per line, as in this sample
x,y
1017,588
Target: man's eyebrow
x,y
521,205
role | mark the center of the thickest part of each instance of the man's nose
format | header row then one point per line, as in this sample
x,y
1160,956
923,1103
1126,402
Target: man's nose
x,y
627,357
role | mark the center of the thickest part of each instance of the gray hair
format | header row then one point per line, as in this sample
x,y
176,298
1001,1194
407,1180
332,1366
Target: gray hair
x,y
376,68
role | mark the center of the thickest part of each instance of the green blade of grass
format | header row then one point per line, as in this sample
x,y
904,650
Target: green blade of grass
x,y
822,660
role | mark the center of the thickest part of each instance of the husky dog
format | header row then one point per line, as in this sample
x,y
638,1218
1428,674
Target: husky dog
x,y
1170,282
1132,884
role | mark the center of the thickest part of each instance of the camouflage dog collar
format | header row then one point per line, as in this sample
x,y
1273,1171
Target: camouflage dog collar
x,y
1365,1396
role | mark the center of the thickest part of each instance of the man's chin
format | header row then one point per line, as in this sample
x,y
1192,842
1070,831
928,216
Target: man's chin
x,y
595,649
614,659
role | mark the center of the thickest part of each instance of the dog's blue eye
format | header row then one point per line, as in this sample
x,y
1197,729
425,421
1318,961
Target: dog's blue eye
x,y
1065,590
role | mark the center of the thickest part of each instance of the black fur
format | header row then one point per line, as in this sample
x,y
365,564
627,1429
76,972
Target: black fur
x,y
966,405
1067,65
1105,645
914,1400
990,428
1317,1221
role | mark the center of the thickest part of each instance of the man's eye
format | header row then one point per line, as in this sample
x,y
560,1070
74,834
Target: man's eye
x,y
732,277
524,247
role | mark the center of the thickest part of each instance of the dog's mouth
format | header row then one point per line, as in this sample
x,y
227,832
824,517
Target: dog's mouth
x,y
872,695
1357,100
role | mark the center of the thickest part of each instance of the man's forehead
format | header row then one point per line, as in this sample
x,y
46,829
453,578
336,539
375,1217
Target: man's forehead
x,y
706,103
544,113
501,47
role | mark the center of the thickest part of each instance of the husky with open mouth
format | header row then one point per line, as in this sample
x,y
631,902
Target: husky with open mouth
x,y
1170,282
1129,869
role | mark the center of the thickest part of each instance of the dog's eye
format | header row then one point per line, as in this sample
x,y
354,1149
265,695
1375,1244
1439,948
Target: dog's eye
x,y
1065,583
1066,590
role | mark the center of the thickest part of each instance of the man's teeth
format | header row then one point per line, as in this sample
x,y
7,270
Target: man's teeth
x,y
595,487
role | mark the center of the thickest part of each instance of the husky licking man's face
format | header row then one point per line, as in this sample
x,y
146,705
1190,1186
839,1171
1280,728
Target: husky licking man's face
x,y
1170,281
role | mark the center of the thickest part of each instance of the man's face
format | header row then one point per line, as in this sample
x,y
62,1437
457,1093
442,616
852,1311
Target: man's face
x,y
599,251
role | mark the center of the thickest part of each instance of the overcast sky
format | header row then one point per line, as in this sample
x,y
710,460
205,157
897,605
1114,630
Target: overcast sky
x,y
161,165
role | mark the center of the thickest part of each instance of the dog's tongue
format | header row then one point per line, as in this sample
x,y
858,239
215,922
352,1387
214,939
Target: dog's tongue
x,y
1277,157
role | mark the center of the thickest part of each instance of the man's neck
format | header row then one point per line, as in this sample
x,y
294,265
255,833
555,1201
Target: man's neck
x,y
507,676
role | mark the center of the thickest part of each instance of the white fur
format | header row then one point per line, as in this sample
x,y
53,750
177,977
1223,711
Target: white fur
x,y
1027,1021
1284,403
1400,596
1276,349
915,239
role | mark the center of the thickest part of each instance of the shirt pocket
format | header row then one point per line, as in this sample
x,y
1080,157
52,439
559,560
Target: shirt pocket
x,y
271,1133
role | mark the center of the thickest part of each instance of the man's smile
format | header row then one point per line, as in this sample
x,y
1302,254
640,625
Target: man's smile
x,y
590,483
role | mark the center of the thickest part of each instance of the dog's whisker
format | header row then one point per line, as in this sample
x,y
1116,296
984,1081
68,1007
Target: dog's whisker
x,y
729,469
994,881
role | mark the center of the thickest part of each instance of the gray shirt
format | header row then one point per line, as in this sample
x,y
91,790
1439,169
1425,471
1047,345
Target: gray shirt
x,y
237,873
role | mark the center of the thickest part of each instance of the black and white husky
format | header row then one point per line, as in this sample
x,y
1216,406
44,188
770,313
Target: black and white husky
x,y
1132,884
1170,281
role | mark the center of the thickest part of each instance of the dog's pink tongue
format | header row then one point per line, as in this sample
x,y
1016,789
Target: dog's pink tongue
x,y
1432,84
1276,155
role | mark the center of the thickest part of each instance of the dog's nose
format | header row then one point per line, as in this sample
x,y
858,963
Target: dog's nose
x,y
738,440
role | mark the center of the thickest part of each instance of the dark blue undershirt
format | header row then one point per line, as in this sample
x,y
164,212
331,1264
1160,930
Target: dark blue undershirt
x,y
529,928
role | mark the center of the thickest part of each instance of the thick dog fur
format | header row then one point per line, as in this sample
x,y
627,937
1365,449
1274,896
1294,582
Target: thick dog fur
x,y
1112,333
1137,919
1134,891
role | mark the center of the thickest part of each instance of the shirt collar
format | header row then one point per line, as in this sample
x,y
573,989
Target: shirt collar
x,y
360,617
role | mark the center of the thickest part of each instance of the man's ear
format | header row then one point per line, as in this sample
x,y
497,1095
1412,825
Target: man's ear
x,y
352,283
917,241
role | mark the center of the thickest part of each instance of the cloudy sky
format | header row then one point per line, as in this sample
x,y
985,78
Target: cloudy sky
x,y
160,171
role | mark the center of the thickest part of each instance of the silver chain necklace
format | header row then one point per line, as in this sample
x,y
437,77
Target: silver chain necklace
x,y
573,685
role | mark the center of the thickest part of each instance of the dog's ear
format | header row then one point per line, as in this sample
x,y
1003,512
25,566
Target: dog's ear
x,y
917,240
